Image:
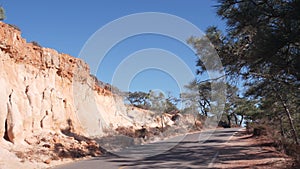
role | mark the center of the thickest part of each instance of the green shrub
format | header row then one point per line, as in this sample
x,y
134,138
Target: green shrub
x,y
15,27
2,13
36,44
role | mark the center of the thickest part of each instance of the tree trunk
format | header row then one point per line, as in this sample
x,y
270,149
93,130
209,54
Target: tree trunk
x,y
203,108
288,114
281,127
242,118
162,123
235,119
229,120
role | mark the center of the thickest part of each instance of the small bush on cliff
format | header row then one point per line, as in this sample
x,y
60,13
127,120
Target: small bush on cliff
x,y
15,27
36,44
2,13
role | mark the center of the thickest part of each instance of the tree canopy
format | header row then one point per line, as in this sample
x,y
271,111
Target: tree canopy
x,y
152,100
261,46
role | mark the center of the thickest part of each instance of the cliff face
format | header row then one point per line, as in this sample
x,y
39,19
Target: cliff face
x,y
43,90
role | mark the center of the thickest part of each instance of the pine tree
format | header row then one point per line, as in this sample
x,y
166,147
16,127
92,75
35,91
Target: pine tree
x,y
262,46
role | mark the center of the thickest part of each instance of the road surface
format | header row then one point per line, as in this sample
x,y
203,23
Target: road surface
x,y
198,150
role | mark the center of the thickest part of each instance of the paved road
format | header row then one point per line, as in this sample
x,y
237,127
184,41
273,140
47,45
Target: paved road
x,y
198,150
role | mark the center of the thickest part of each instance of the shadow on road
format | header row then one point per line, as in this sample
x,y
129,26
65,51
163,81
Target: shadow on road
x,y
192,154
217,151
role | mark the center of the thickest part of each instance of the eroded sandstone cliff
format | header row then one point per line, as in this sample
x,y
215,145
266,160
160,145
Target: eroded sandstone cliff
x,y
43,90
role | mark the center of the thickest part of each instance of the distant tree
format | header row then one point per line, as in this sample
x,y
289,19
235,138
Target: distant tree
x,y
162,104
139,99
158,104
2,13
155,101
247,109
231,104
198,95
171,103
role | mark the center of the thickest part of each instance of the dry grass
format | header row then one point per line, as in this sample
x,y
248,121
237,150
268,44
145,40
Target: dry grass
x,y
247,151
52,147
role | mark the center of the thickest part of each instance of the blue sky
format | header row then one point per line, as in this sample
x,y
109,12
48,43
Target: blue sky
x,y
66,26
